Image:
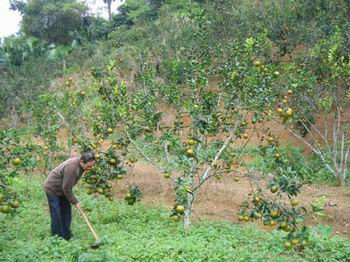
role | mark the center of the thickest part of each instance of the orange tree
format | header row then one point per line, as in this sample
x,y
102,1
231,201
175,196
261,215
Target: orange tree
x,y
54,112
315,100
46,127
69,110
253,84
64,110
13,158
277,206
109,165
198,141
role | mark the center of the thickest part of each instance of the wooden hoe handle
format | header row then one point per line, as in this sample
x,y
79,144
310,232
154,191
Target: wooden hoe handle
x,y
89,225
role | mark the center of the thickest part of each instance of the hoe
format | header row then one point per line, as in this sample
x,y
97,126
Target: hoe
x,y
97,240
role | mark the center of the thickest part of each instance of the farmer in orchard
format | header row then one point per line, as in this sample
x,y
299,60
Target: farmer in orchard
x,y
58,187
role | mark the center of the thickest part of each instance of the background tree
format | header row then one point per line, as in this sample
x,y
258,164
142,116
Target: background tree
x,y
316,113
52,21
109,5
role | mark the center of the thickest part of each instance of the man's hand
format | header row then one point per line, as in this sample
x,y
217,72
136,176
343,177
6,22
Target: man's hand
x,y
77,205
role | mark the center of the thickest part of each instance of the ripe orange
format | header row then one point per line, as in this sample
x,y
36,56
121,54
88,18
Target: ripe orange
x,y
189,152
274,213
284,225
288,245
128,196
14,204
270,139
274,189
175,218
112,161
246,218
5,209
257,63
257,199
290,112
17,161
191,142
180,209
295,242
294,202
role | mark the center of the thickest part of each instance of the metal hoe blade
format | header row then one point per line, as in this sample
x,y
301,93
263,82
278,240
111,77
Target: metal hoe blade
x,y
97,244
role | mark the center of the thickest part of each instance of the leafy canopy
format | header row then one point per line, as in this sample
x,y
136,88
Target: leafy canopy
x,y
50,20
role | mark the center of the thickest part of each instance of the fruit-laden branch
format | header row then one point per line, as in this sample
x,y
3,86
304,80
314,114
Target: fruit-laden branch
x,y
206,173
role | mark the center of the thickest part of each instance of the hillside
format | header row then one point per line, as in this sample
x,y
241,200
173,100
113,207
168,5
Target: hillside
x,y
219,110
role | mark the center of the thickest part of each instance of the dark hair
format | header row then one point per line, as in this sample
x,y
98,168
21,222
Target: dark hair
x,y
87,157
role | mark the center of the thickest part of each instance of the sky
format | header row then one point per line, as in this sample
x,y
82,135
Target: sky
x,y
9,20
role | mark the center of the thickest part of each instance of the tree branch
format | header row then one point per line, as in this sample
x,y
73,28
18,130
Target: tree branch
x,y
141,152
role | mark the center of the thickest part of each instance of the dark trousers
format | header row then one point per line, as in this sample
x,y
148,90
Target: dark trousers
x,y
61,216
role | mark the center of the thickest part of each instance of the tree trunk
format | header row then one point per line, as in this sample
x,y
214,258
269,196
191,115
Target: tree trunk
x,y
109,3
188,211
340,177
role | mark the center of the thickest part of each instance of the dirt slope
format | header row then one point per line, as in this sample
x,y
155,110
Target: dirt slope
x,y
220,199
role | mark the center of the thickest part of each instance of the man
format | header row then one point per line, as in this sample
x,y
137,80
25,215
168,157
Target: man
x,y
58,187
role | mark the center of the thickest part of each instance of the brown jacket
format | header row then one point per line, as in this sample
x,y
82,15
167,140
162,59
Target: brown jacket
x,y
63,178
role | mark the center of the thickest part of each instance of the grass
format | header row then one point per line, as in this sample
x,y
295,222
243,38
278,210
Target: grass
x,y
144,233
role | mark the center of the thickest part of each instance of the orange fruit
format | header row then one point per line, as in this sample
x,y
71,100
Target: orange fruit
x,y
295,242
294,202
274,213
191,142
180,209
112,161
274,189
189,152
288,245
17,161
